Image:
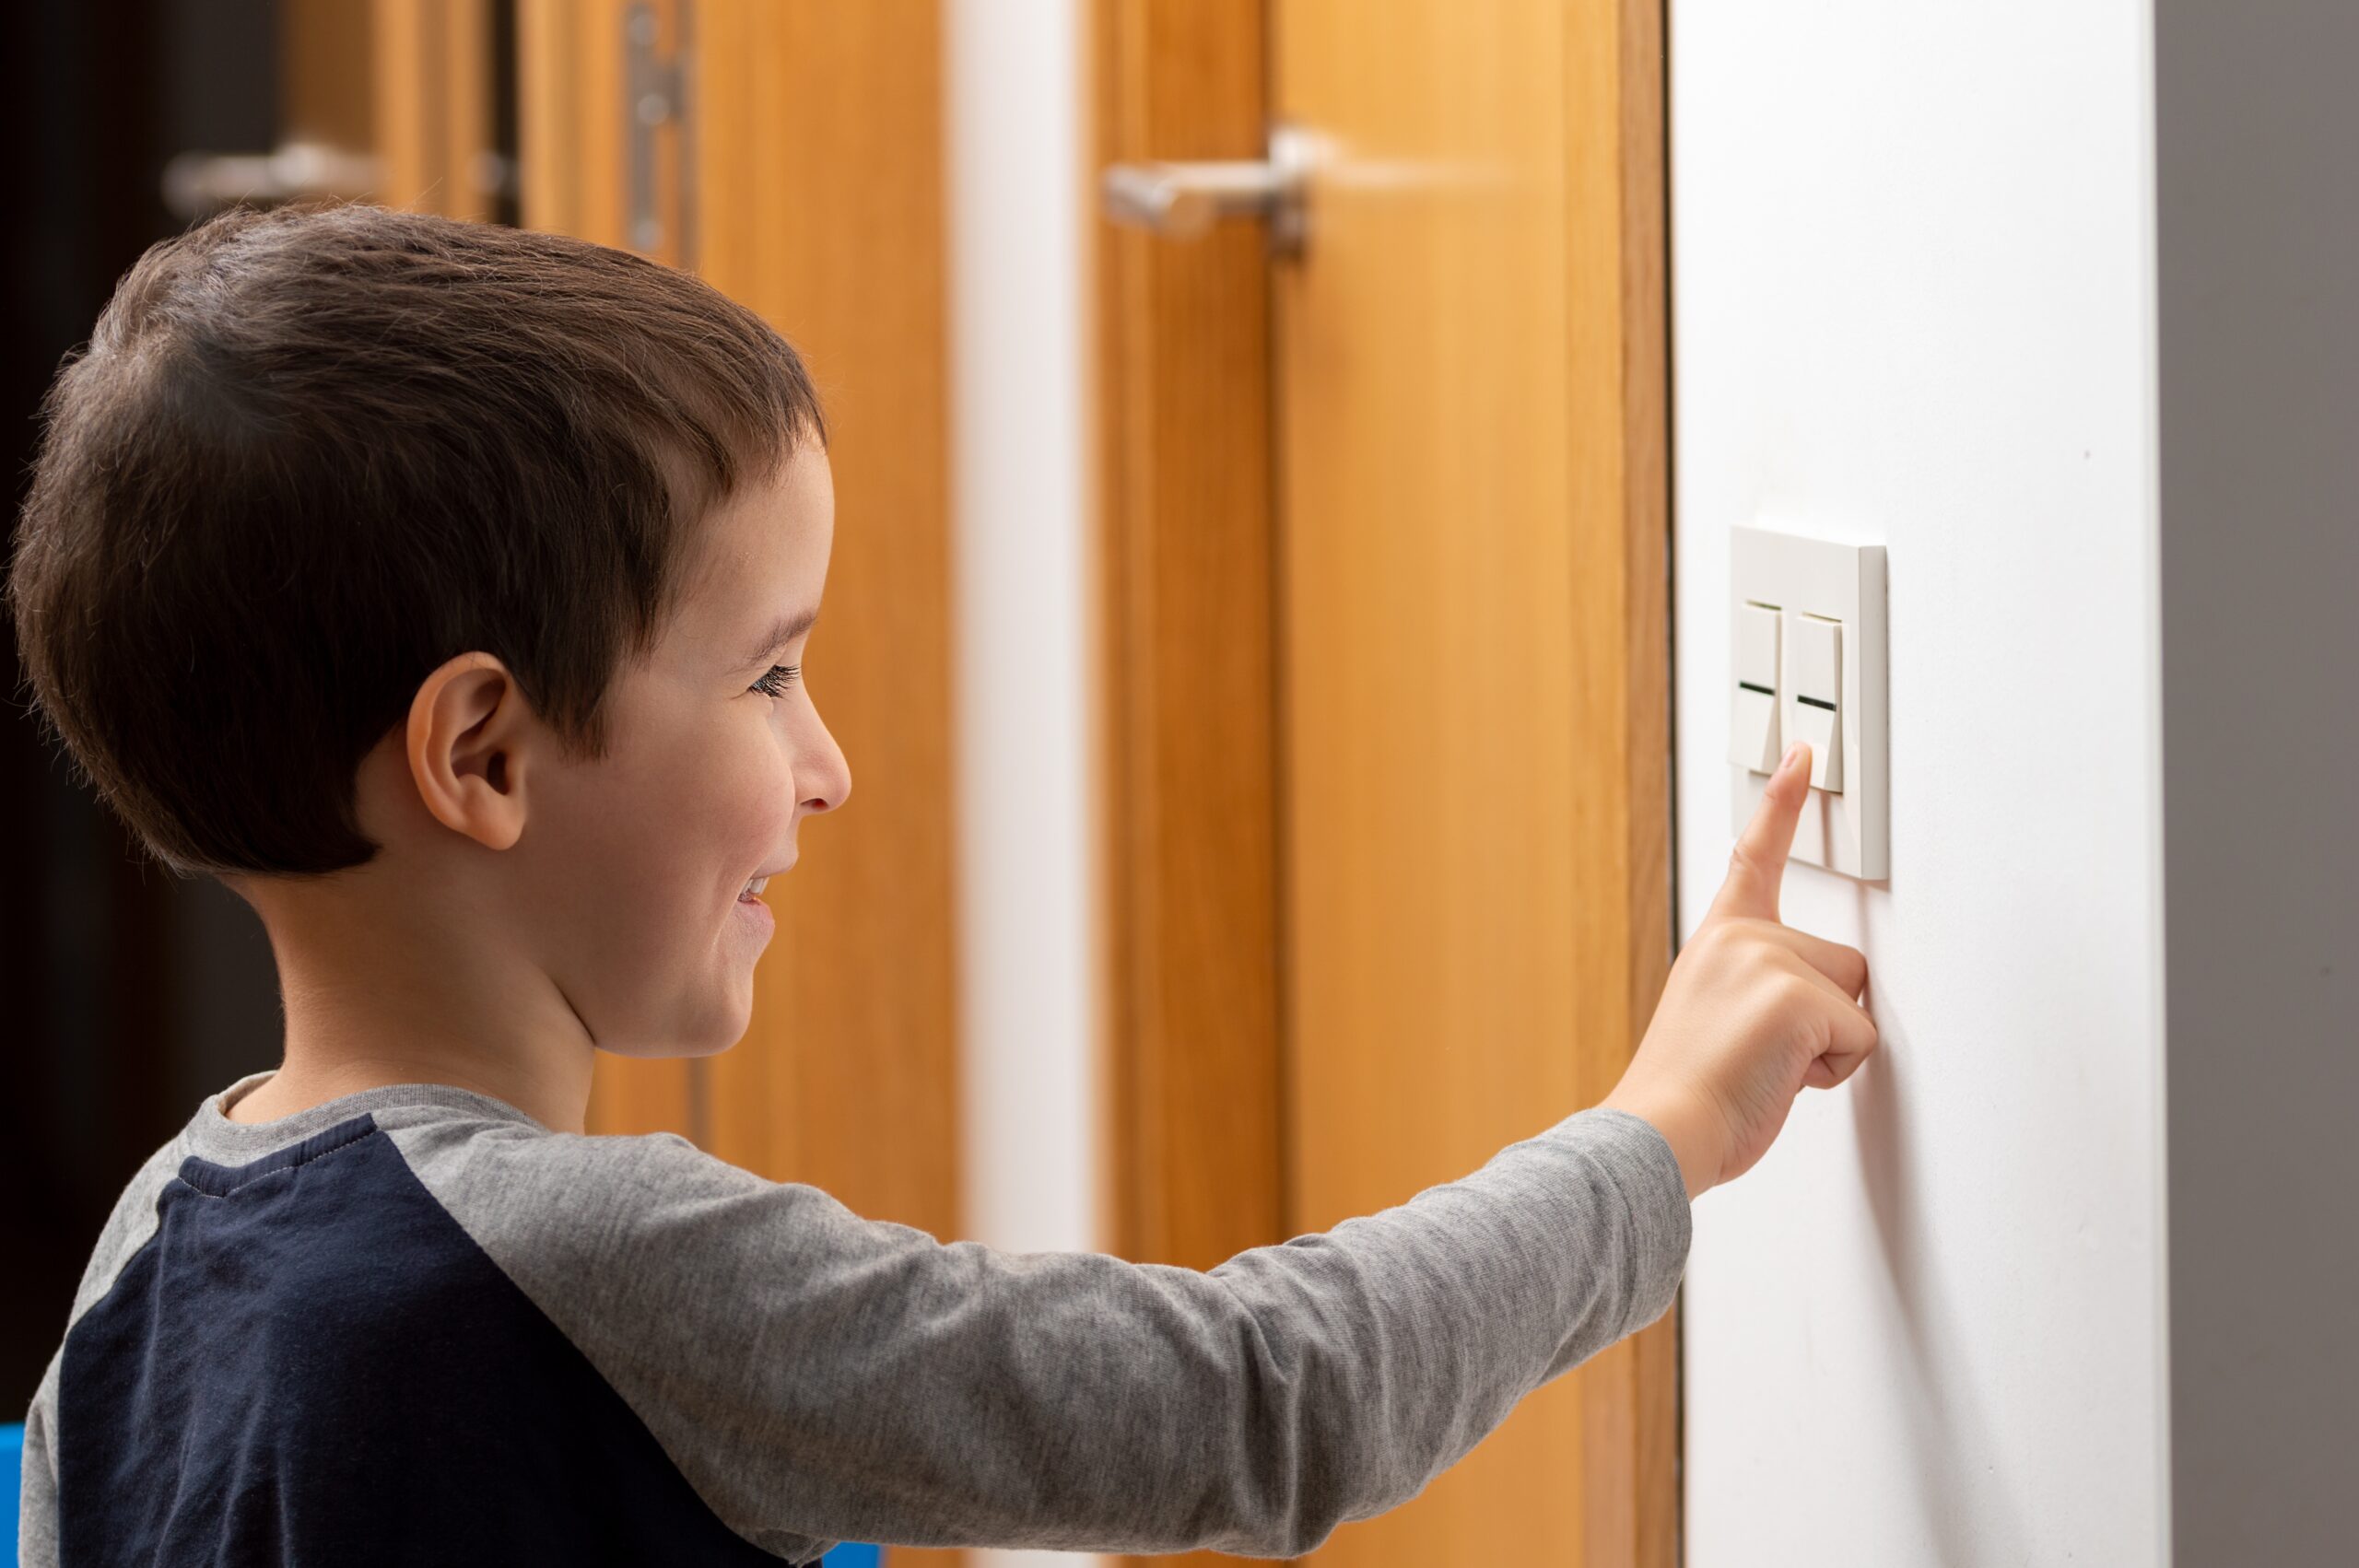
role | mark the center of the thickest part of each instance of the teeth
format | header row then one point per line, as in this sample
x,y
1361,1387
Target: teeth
x,y
754,885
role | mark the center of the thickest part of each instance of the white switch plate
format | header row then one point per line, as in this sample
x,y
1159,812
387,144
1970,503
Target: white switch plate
x,y
1846,832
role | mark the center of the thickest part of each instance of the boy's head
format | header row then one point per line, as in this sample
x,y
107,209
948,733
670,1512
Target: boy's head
x,y
444,561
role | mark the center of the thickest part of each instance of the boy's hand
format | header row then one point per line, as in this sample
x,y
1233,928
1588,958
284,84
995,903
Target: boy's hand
x,y
1752,1009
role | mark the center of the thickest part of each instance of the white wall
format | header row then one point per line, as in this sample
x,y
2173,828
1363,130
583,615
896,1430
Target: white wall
x,y
1913,304
1014,144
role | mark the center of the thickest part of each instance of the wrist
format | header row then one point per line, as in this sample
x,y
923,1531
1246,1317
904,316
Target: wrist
x,y
1693,1141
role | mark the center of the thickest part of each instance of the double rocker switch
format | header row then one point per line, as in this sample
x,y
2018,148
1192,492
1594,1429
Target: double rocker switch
x,y
1789,687
1807,641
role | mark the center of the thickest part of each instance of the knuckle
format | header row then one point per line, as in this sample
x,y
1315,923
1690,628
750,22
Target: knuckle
x,y
1740,931
1716,938
1730,953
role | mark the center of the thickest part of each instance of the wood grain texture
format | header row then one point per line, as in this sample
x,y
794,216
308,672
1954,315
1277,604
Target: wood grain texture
x,y
1474,618
819,202
430,101
1190,780
406,54
327,73
571,150
573,146
1433,747
1468,673
1189,787
822,207
816,163
806,181
1618,368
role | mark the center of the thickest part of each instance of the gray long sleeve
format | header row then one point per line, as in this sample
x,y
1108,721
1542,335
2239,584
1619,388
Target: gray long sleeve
x,y
817,1376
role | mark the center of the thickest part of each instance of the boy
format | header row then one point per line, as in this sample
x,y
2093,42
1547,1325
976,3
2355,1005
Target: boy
x,y
444,589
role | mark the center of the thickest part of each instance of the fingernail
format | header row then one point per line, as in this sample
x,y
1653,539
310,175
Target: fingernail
x,y
1792,754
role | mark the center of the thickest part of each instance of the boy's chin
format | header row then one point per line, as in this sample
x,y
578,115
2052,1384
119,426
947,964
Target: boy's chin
x,y
689,1045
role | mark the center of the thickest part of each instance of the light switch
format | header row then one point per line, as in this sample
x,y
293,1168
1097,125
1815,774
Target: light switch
x,y
1753,701
1829,672
1813,708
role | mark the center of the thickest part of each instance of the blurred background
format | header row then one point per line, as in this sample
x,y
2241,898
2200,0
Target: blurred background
x,y
1090,966
1251,628
134,993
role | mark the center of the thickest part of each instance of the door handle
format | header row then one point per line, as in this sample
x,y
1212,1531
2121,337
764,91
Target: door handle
x,y
198,184
1182,201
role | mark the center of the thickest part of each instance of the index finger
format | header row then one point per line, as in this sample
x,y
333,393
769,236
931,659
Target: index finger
x,y
1757,864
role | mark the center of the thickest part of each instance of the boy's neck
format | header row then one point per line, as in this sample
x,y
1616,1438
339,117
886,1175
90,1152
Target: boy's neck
x,y
374,999
298,1085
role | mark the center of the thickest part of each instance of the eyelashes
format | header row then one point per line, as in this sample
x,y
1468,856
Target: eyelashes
x,y
780,677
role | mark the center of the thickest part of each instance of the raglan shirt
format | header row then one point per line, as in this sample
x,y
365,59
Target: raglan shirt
x,y
413,1324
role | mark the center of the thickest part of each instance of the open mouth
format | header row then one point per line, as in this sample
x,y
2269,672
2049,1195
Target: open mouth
x,y
752,892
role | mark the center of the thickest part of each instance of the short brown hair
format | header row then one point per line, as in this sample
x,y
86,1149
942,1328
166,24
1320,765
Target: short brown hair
x,y
309,454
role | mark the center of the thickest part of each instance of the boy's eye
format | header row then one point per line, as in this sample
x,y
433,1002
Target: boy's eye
x,y
780,677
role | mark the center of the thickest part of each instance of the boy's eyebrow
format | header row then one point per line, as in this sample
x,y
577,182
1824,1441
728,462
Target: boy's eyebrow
x,y
786,629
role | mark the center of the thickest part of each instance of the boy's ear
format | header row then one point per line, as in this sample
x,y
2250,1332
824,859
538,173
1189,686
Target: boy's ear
x,y
467,726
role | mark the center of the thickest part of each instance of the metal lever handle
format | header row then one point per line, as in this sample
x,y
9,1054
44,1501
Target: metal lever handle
x,y
1182,201
198,184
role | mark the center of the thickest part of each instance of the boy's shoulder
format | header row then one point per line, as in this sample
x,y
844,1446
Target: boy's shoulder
x,y
331,1294
253,1164
130,1225
531,1197
327,1179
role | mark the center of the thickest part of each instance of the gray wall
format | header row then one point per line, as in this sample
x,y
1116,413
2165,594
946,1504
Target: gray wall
x,y
2257,129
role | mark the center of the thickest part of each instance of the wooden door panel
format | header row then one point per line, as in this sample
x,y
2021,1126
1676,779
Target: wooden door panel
x,y
571,153
1187,781
432,103
1428,640
819,203
1468,651
802,175
798,171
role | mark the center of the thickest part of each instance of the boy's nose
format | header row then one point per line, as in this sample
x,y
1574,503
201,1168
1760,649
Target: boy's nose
x,y
834,780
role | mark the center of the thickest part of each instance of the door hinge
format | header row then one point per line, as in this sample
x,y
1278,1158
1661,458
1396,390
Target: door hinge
x,y
655,94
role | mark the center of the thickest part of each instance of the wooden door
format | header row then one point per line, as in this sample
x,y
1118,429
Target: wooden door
x,y
1397,505
408,86
792,157
574,178
818,201
433,104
